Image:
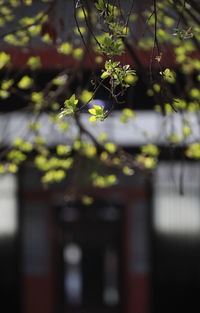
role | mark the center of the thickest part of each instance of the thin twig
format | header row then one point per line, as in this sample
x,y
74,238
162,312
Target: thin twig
x,y
181,14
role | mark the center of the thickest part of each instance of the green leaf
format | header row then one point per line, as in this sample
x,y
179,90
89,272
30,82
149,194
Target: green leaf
x,y
7,83
174,138
34,126
86,96
149,162
92,111
104,75
4,94
193,151
97,6
194,93
22,145
12,168
63,150
81,14
186,131
25,21
34,63
78,53
131,79
128,171
103,137
103,181
37,97
60,80
25,82
98,108
156,87
179,104
100,5
54,176
126,115
70,107
110,147
87,200
150,150
2,169
39,140
4,59
79,30
93,118
16,156
34,30
65,48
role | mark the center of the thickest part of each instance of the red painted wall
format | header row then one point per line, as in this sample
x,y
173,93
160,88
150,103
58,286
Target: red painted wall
x,y
37,295
51,59
138,294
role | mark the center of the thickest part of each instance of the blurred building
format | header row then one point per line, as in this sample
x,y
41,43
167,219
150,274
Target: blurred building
x,y
136,249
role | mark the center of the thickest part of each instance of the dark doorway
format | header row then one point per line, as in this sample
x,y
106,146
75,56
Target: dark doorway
x,y
90,256
176,239
176,275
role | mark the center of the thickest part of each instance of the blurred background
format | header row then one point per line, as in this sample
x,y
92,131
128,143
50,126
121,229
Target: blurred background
x,y
134,249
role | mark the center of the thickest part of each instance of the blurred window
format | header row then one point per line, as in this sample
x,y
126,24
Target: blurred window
x,y
8,205
177,199
72,255
111,292
35,249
